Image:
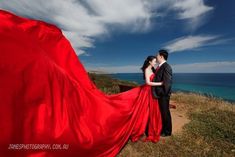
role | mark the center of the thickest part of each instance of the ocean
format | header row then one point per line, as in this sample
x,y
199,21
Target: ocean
x,y
221,85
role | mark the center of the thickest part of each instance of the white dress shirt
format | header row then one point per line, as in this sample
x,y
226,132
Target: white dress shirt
x,y
161,63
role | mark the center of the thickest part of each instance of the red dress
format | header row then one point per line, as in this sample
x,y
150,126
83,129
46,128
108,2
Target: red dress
x,y
47,98
151,119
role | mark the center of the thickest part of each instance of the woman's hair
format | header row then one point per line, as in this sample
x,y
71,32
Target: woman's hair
x,y
146,64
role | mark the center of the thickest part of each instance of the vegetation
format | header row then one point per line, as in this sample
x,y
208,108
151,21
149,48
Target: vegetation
x,y
108,84
210,132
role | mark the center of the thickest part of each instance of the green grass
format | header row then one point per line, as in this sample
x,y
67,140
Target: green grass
x,y
210,132
108,84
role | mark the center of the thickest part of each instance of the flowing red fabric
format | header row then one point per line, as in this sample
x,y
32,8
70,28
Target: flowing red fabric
x,y
47,97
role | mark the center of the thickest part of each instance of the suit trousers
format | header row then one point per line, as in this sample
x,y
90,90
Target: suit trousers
x,y
166,115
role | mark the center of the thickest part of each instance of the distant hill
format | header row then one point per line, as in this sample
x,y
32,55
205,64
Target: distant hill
x,y
110,85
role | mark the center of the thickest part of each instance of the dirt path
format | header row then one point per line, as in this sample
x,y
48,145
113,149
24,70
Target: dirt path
x,y
179,118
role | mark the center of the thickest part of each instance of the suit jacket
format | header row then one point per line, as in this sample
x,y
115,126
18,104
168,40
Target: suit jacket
x,y
164,74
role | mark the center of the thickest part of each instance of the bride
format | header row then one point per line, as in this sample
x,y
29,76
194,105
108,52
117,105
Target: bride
x,y
154,119
47,97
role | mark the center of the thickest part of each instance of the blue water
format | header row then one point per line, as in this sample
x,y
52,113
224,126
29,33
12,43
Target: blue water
x,y
221,85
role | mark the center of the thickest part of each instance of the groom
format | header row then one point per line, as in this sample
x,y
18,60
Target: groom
x,y
162,93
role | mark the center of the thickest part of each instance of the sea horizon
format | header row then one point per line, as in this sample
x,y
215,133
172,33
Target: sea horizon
x,y
219,85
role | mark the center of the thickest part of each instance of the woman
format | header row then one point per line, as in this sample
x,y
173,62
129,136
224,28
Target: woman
x,y
154,123
48,98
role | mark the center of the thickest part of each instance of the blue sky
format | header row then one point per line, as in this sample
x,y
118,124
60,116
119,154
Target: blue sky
x,y
117,35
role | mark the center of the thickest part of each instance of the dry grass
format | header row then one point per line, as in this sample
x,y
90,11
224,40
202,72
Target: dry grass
x,y
210,132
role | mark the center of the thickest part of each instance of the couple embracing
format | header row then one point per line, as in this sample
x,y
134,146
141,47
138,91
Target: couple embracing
x,y
158,84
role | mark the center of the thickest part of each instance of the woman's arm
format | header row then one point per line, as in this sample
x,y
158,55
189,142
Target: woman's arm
x,y
150,83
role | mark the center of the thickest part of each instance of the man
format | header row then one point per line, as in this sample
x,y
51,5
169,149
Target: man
x,y
162,93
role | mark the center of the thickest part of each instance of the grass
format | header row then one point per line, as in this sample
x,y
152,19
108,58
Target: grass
x,y
210,132
107,84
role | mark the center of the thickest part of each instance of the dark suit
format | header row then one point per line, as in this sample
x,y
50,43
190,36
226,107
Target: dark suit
x,y
162,93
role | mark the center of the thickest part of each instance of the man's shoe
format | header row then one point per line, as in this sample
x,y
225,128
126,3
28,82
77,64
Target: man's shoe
x,y
164,134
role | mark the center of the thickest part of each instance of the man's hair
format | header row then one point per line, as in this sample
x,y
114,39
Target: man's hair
x,y
163,53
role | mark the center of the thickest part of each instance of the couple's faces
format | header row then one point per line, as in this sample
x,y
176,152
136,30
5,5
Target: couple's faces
x,y
153,62
159,57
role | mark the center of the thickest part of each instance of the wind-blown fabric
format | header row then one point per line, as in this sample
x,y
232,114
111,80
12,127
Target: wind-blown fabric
x,y
47,97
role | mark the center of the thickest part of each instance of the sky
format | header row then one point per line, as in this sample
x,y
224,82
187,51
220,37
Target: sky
x,y
116,36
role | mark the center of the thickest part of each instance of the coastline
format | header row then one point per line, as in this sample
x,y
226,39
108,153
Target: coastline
x,y
204,94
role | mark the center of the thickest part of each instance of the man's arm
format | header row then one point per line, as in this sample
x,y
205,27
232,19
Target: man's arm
x,y
167,79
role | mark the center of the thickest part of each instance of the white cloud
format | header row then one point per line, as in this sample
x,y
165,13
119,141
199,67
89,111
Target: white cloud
x,y
191,42
82,21
193,12
78,41
208,67
191,8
